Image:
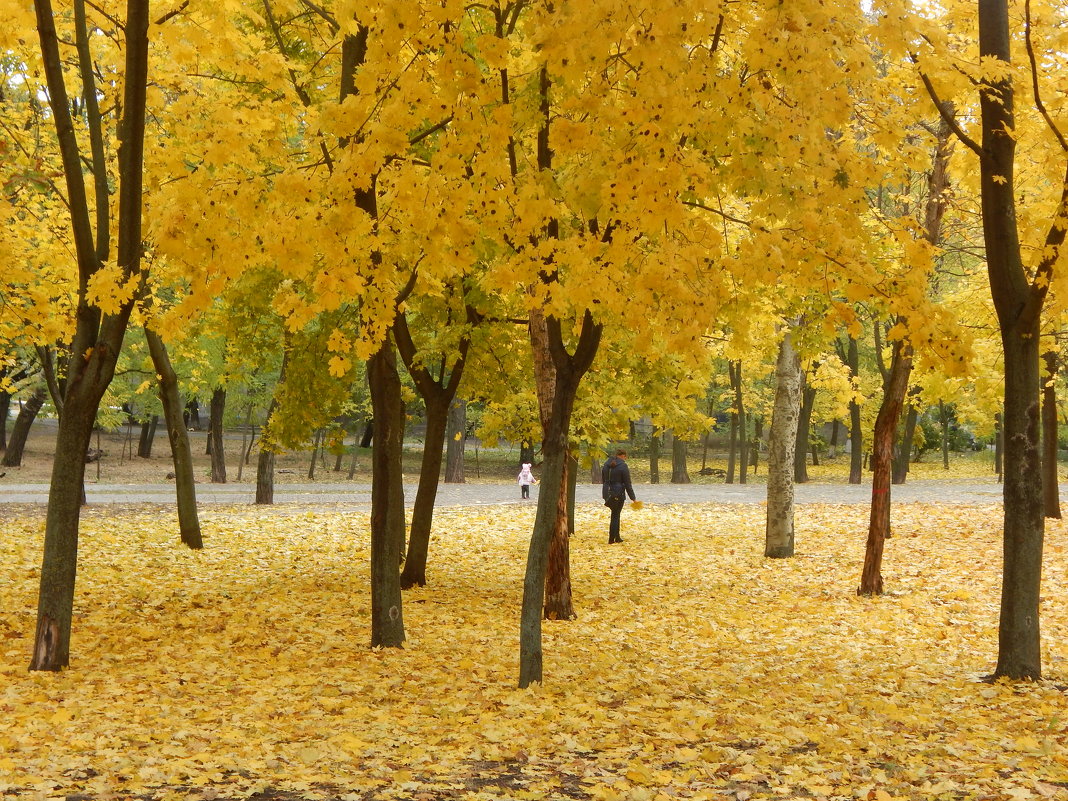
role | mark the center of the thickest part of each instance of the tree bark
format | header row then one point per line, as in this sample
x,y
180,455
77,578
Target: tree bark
x,y
559,604
265,475
215,436
437,414
438,393
5,409
804,426
943,419
902,458
148,437
20,432
782,440
181,455
871,581
679,469
1018,301
455,439
1051,494
97,337
856,435
654,460
387,520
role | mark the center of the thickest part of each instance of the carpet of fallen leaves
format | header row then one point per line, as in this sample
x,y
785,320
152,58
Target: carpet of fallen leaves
x,y
696,669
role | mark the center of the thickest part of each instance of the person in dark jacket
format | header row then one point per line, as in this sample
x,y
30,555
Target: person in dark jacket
x,y
615,481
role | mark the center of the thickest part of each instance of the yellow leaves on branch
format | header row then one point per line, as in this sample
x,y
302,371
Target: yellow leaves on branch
x,y
696,669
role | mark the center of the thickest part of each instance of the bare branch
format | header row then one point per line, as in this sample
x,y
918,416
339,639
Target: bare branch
x,y
1034,78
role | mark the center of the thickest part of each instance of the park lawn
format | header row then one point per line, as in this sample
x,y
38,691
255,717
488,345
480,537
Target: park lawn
x,y
696,668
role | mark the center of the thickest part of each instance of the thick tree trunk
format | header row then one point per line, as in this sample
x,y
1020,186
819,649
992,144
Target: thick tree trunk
x,y
215,436
1018,301
148,437
55,602
387,520
871,581
679,469
20,432
181,455
414,572
558,598
1051,494
782,439
265,476
455,439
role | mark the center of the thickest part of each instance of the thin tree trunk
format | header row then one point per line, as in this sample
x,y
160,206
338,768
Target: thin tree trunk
x,y
437,414
856,434
20,432
455,440
1051,495
902,458
316,442
943,418
999,447
215,436
654,461
871,581
732,448
5,410
758,432
804,425
181,455
782,439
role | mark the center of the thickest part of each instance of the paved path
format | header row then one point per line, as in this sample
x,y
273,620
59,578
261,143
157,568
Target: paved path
x,y
359,495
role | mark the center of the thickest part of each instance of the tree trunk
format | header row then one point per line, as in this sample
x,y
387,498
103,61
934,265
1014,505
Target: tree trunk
x,y
387,520
679,472
557,378
999,447
265,476
739,406
437,414
20,432
943,419
1051,495
902,458
782,439
98,337
1018,300
732,448
654,460
148,437
804,426
871,581
758,430
455,439
856,434
558,598
316,442
5,410
181,455
215,436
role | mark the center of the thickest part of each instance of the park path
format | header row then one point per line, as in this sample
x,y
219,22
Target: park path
x,y
474,494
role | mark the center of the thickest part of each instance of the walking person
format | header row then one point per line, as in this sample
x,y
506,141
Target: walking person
x,y
525,479
615,486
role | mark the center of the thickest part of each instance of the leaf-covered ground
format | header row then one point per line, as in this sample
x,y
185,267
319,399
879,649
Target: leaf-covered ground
x,y
696,669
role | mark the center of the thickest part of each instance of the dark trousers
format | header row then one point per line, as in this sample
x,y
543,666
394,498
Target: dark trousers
x,y
613,524
526,490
